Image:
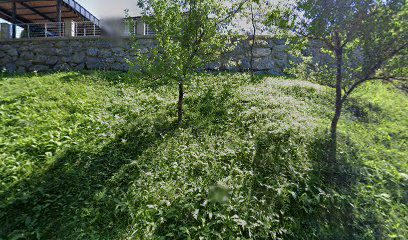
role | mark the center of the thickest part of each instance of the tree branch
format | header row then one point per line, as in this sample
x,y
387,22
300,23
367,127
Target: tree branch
x,y
369,75
234,11
354,26
322,39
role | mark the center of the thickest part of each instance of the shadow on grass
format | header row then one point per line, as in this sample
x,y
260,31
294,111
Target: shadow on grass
x,y
75,197
113,77
292,174
362,111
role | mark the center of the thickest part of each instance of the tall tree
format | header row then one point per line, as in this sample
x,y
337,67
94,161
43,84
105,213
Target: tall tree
x,y
364,40
189,34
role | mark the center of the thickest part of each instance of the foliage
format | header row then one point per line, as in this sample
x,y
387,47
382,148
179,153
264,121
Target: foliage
x,y
188,34
362,40
96,156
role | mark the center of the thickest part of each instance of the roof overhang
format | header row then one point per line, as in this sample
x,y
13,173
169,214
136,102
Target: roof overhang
x,y
42,11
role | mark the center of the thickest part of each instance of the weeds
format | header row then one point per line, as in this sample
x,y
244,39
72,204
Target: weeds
x,y
98,156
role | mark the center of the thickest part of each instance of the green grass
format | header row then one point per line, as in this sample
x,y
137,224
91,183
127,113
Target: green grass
x,y
97,156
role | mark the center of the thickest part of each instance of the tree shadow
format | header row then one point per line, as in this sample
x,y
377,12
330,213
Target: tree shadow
x,y
292,174
212,109
360,110
75,197
113,77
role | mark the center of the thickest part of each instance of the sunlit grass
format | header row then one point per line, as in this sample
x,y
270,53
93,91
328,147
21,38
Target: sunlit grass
x,y
98,155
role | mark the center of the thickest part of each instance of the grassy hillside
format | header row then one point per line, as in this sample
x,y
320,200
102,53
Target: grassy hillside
x,y
98,156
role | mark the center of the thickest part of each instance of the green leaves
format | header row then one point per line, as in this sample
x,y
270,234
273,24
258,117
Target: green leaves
x,y
97,157
189,34
372,37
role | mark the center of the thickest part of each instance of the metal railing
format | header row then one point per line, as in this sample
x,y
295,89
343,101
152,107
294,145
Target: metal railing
x,y
114,27
86,29
122,28
41,30
148,30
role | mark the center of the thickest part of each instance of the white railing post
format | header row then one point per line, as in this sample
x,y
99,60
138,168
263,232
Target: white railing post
x,y
140,27
45,29
69,28
5,31
28,30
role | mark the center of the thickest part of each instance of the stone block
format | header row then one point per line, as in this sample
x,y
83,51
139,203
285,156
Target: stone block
x,y
40,59
61,44
52,60
5,47
67,51
263,64
119,67
76,45
109,60
278,42
281,55
27,55
21,69
259,43
12,52
276,72
4,61
92,52
61,67
40,49
78,57
79,67
245,64
117,50
120,59
10,68
94,63
39,68
261,52
105,53
280,48
103,44
24,63
144,42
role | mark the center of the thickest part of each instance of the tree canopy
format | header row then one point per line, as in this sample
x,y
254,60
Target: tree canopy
x,y
362,39
189,34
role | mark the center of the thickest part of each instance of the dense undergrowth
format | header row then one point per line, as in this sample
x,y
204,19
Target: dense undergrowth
x,y
97,156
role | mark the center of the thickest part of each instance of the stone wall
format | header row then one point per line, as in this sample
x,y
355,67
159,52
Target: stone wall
x,y
64,54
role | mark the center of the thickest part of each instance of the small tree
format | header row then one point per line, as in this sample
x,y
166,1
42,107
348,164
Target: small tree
x,y
189,34
364,39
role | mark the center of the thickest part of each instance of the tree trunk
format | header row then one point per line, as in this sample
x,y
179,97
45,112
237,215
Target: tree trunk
x,y
338,106
251,62
180,102
333,133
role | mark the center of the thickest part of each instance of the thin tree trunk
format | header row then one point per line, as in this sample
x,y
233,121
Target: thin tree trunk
x,y
333,135
180,102
338,106
253,40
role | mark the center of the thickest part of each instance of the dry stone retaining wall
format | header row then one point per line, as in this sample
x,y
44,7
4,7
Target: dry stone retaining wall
x,y
65,54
